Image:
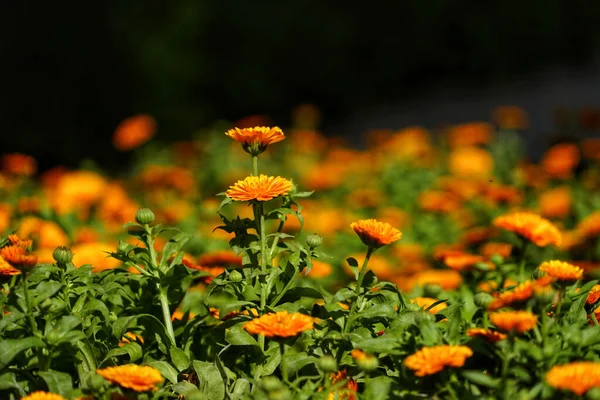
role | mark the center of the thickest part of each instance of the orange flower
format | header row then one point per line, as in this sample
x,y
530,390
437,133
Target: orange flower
x,y
425,302
470,134
6,269
510,117
358,354
19,164
256,140
561,270
280,324
375,234
555,203
379,265
577,377
530,226
39,395
134,132
593,295
438,201
259,188
520,293
95,254
135,377
470,162
491,248
589,227
17,254
431,360
465,262
347,392
487,334
320,269
520,321
128,337
560,160
220,258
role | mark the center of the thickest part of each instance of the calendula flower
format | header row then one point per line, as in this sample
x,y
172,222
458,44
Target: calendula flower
x,y
519,321
470,162
40,395
431,360
374,233
487,334
19,164
561,270
470,134
256,140
220,258
447,279
465,262
510,117
589,227
425,302
520,293
560,160
18,256
555,203
135,377
530,226
280,324
347,392
134,132
6,269
491,248
593,295
320,269
577,377
259,188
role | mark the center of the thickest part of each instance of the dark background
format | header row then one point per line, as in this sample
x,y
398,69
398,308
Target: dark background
x,y
71,71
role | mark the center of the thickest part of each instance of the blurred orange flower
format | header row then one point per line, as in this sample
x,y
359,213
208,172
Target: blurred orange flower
x,y
555,203
431,360
577,377
19,164
135,377
560,160
134,132
487,334
520,321
561,270
40,395
256,140
470,162
470,134
425,302
510,117
530,226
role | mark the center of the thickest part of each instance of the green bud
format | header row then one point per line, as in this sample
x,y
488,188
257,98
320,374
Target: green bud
x,y
280,394
122,246
368,364
497,259
144,216
95,382
537,274
432,290
271,383
483,300
593,394
235,276
62,255
53,336
327,364
314,241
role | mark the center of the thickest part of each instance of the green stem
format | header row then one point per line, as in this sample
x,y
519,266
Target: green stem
x,y
287,286
276,240
594,318
523,261
284,370
32,323
164,303
559,303
150,245
361,277
255,165
506,362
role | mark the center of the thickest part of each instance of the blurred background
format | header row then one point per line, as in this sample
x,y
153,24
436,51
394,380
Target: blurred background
x,y
72,71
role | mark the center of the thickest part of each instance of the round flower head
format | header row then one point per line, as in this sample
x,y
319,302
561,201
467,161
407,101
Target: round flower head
x,y
530,226
39,395
577,377
256,140
259,188
280,324
487,334
6,269
135,377
561,270
520,321
431,360
375,234
593,295
134,132
520,293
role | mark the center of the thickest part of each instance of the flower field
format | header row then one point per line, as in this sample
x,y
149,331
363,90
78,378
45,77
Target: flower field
x,y
261,263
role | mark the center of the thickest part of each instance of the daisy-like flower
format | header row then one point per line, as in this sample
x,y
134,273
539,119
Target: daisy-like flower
x,y
519,321
520,293
256,140
530,226
487,334
577,377
6,269
259,188
561,270
135,377
593,295
280,324
40,395
347,392
431,360
374,233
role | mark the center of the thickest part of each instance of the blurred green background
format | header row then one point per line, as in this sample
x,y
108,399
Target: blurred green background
x,y
72,71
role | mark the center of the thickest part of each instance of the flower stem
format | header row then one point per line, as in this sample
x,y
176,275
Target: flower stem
x,y
361,277
32,323
276,240
255,165
164,303
284,370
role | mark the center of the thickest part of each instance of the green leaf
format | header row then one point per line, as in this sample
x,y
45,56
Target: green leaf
x,y
57,382
65,325
295,362
44,291
86,356
273,359
353,266
377,311
480,378
379,345
96,305
188,390
241,388
8,380
211,382
120,326
377,388
165,369
179,358
239,337
133,349
10,348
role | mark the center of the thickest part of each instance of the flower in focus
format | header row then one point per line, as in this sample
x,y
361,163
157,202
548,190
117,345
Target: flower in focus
x,y
17,255
470,162
135,377
280,324
256,140
530,226
487,334
375,234
40,395
561,270
19,164
259,188
518,294
6,269
560,160
431,360
426,302
577,377
134,132
520,321
593,295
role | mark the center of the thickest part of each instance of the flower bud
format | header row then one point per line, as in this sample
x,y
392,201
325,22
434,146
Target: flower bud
x,y
122,246
144,216
593,394
432,290
271,383
483,300
368,363
314,241
327,364
62,255
497,259
235,276
95,382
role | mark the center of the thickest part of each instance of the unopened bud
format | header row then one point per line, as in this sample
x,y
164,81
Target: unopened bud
x,y
144,216
314,241
327,364
235,276
62,255
483,300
